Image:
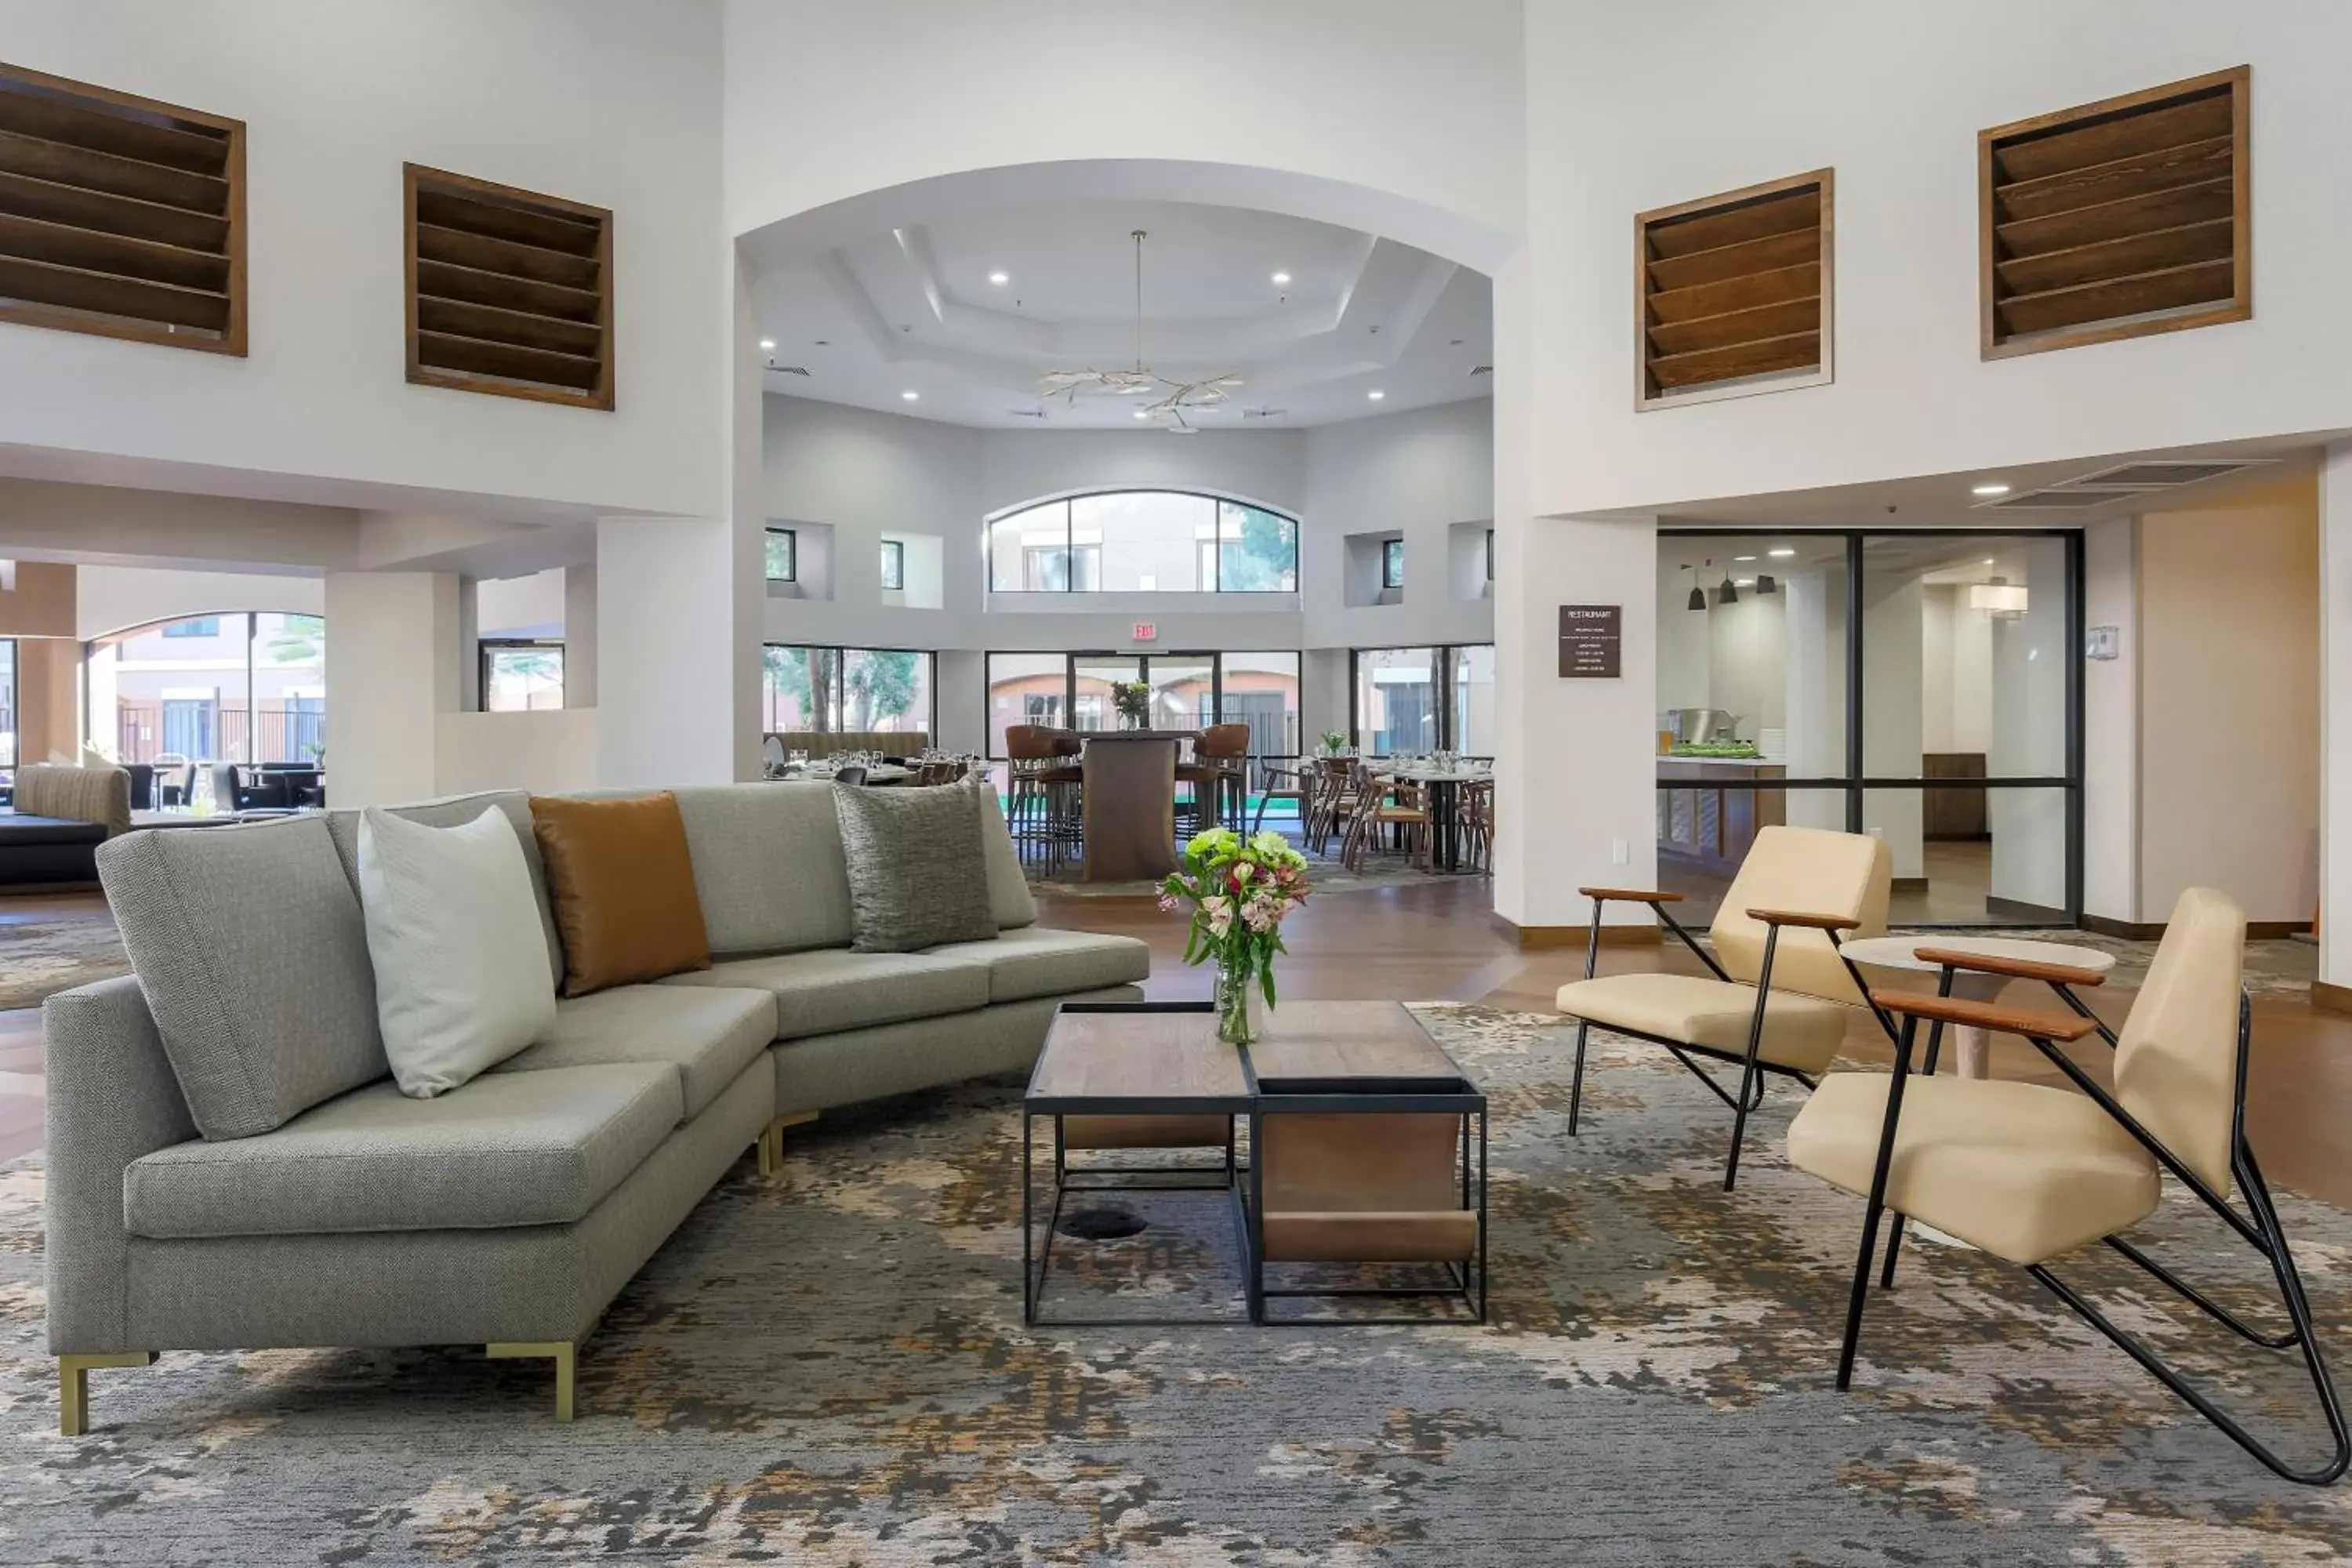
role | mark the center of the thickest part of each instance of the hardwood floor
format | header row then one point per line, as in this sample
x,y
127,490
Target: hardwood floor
x,y
1434,941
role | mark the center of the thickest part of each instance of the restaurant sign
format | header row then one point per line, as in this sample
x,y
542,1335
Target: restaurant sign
x,y
1590,638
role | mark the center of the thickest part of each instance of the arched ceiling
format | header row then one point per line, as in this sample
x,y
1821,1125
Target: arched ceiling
x,y
916,309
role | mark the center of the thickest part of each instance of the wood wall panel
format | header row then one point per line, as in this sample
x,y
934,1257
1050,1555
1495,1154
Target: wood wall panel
x,y
1732,292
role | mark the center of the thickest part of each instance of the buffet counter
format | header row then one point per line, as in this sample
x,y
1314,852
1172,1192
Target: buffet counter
x,y
1708,814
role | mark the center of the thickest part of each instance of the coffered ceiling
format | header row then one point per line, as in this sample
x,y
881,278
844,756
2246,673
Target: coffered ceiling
x,y
920,309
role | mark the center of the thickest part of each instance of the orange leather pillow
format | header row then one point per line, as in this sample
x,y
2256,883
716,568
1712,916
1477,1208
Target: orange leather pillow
x,y
622,884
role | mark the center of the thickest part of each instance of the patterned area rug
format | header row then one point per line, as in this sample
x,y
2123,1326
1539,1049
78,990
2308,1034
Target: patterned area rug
x,y
40,958
830,1368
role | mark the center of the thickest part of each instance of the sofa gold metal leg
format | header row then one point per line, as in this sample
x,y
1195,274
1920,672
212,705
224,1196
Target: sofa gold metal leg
x,y
772,1140
564,1353
73,1385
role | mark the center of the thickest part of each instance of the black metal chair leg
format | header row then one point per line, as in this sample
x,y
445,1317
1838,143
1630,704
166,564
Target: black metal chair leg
x,y
1576,1078
1860,1298
1935,1050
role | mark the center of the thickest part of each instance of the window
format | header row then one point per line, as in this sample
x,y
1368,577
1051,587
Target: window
x,y
893,566
255,691
1490,555
521,676
1143,542
1396,707
784,555
1189,691
848,691
1922,686
1392,563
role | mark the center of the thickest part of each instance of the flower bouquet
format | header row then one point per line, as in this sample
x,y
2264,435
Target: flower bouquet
x,y
1240,890
1133,699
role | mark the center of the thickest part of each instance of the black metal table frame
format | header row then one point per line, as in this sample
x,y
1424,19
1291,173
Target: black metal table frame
x,y
1467,1282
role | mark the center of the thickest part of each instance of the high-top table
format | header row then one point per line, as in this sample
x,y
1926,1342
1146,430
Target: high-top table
x,y
1130,802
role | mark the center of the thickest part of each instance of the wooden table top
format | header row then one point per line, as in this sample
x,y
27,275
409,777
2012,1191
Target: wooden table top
x,y
1147,1056
1138,1055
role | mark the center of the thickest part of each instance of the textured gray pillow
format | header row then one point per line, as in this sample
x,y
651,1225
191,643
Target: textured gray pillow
x,y
917,870
249,944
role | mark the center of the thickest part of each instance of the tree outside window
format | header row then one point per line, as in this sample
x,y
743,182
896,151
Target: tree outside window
x,y
893,566
1391,563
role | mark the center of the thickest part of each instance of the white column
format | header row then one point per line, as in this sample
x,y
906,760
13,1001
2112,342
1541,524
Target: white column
x,y
678,609
392,673
1576,760
2335,716
580,637
2111,745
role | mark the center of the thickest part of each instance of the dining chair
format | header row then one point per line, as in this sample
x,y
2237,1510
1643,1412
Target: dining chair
x,y
175,778
2030,1172
1220,753
1399,808
1276,782
1779,991
1333,802
1475,819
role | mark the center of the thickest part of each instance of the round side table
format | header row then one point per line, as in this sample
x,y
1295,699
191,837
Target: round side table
x,y
1972,1046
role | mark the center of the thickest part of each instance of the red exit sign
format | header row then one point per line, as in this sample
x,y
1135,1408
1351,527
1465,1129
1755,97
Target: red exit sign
x,y
1145,631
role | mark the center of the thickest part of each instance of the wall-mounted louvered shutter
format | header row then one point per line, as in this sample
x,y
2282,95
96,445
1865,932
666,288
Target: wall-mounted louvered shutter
x,y
2118,219
119,215
1732,293
509,291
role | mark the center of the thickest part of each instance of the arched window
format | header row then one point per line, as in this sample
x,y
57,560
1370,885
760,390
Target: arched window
x,y
1143,542
247,687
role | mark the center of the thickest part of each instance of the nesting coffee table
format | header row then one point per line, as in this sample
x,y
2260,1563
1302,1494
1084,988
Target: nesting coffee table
x,y
1345,1135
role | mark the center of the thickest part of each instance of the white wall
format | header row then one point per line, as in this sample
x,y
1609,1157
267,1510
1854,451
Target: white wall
x,y
2111,724
1379,94
2229,702
1892,97
606,101
553,749
112,598
529,607
1418,473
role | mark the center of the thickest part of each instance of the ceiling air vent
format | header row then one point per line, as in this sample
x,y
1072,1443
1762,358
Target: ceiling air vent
x,y
509,292
2119,218
790,369
1251,414
119,215
2161,475
1733,293
1026,413
1477,369
2040,500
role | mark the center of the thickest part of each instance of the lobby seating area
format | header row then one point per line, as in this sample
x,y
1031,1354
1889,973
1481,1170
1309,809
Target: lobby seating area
x,y
893,784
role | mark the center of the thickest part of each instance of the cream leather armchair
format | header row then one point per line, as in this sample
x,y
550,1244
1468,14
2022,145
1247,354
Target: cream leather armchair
x,y
1780,993
2027,1171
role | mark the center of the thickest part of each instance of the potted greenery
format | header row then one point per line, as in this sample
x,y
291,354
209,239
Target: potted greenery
x,y
1334,742
1133,699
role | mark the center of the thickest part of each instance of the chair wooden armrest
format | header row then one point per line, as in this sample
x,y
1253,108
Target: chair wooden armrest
x,y
1803,917
2026,1022
2015,968
1636,895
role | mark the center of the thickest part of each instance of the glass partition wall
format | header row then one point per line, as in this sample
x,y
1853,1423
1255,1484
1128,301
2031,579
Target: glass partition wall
x,y
1924,687
1424,698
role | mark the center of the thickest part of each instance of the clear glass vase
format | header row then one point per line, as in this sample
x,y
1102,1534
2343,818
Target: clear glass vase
x,y
1236,999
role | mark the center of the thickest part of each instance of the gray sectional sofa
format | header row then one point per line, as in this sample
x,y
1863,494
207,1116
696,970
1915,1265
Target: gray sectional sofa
x,y
509,1212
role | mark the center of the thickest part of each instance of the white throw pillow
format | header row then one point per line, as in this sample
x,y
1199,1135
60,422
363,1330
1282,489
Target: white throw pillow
x,y
460,960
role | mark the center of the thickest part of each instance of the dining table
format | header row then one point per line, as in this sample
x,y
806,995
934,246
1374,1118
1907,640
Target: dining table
x,y
876,772
1444,791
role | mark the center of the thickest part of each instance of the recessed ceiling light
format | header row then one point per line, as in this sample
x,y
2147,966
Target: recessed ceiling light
x,y
1281,277
1781,553
1143,414
1743,581
767,345
1995,488
1743,558
1376,394
910,395
1989,561
1000,279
